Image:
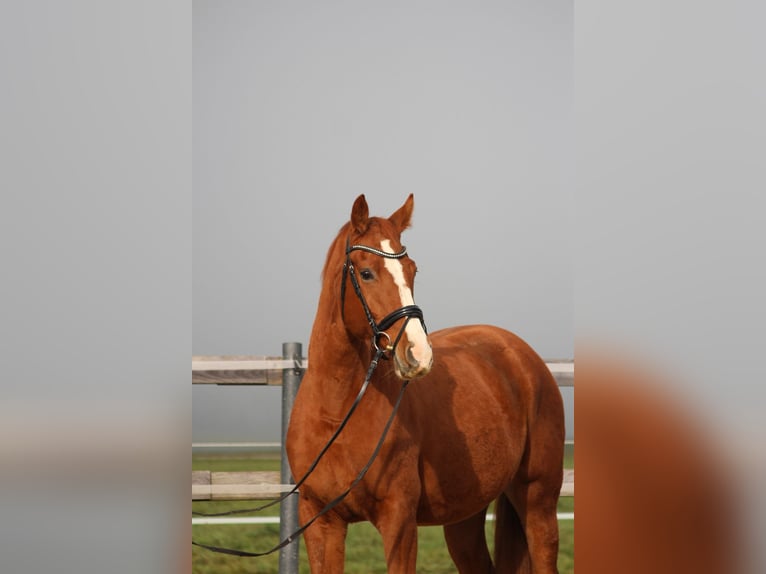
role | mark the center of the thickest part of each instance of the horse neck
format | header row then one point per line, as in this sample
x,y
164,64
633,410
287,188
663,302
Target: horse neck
x,y
337,364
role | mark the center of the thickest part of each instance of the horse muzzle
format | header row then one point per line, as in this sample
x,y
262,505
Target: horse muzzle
x,y
412,361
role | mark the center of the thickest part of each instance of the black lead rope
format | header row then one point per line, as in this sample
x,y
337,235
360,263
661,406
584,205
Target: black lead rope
x,y
362,391
330,505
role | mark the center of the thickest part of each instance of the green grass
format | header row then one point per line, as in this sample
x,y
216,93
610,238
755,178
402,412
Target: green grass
x,y
364,547
236,462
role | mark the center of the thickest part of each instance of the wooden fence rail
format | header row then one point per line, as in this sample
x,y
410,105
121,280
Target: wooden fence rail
x,y
262,370
260,485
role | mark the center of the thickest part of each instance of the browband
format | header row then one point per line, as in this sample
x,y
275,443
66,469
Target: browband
x,y
374,251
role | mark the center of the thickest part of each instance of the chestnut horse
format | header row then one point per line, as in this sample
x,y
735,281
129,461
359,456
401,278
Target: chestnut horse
x,y
484,420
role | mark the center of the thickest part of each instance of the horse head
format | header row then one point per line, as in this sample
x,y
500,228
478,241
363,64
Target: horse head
x,y
379,272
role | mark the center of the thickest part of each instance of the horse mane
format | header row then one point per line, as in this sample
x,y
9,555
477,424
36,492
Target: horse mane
x,y
330,267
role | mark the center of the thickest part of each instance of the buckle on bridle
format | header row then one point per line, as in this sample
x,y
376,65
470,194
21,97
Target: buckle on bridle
x,y
388,348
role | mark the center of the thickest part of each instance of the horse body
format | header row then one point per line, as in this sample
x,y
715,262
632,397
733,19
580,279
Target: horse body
x,y
473,410
483,421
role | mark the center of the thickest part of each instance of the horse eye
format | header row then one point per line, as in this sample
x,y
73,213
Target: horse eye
x,y
366,275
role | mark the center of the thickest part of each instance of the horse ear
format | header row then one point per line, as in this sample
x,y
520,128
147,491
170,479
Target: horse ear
x,y
360,215
401,217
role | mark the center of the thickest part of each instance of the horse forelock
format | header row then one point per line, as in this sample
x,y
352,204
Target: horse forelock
x,y
379,230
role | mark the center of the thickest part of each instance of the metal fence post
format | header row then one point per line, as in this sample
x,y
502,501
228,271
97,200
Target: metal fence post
x,y
288,513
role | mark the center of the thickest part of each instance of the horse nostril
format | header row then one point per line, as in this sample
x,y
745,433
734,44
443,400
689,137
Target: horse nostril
x,y
411,356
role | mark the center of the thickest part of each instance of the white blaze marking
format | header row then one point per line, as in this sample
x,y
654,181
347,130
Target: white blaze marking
x,y
415,333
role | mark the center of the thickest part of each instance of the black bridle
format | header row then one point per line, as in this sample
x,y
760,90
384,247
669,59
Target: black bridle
x,y
378,329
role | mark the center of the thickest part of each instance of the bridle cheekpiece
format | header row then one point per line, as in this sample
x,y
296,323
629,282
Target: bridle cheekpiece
x,y
378,328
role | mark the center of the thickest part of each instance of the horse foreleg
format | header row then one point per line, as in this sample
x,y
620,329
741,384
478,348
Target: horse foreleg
x,y
467,545
325,539
399,530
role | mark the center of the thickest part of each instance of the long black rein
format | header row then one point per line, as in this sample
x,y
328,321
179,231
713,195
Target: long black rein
x,y
341,426
378,329
333,503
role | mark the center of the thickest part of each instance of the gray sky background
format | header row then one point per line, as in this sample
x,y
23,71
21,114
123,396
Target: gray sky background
x,y
299,107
